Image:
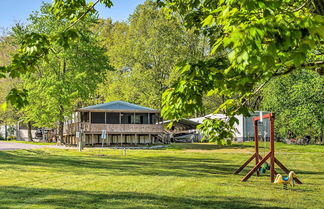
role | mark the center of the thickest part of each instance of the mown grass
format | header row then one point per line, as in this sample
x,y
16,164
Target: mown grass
x,y
183,176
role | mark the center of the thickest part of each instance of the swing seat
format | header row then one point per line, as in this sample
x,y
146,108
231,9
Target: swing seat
x,y
285,178
264,168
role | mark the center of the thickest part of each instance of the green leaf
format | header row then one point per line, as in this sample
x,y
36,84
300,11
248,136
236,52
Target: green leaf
x,y
209,20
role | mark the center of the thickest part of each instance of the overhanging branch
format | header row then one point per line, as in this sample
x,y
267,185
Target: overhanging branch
x,y
82,16
316,65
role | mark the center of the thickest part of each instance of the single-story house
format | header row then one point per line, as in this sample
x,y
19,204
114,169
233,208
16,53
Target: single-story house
x,y
114,122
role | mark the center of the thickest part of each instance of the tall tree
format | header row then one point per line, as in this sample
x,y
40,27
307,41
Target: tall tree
x,y
70,73
145,52
298,100
8,114
36,46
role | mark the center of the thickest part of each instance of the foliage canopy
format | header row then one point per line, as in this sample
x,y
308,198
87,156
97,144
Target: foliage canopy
x,y
252,42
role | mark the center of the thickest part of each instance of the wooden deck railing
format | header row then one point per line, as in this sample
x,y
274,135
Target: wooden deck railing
x,y
89,128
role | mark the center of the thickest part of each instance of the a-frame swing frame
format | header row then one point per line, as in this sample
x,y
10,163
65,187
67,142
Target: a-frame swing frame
x,y
259,161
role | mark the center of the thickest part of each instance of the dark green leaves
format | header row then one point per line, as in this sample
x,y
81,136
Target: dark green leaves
x,y
67,8
2,72
65,38
74,9
185,96
216,130
107,3
33,47
17,98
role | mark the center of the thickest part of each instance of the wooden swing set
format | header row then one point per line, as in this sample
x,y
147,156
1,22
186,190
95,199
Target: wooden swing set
x,y
259,160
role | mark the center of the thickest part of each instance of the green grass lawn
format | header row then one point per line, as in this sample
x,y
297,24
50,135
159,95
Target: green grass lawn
x,y
182,176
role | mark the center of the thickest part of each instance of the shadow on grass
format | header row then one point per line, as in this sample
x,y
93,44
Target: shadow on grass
x,y
208,146
120,165
24,197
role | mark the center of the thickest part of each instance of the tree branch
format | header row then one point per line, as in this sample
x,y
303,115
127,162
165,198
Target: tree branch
x,y
302,6
82,16
318,64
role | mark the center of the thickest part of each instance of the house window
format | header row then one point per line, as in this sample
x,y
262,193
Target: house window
x,y
141,118
153,118
138,119
112,118
127,118
84,116
97,117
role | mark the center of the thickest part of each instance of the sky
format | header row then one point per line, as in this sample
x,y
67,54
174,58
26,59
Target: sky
x,y
14,11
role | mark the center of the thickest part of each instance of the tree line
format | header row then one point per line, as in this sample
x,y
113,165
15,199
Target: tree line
x,y
176,61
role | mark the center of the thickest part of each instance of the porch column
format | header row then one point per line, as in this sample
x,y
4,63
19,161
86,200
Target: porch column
x,y
121,139
150,138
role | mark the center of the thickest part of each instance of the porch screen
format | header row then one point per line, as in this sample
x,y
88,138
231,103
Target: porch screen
x,y
97,117
141,118
127,118
112,118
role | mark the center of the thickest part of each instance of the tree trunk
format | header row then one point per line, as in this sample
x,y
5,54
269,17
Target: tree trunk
x,y
61,113
321,138
17,131
6,132
61,124
30,137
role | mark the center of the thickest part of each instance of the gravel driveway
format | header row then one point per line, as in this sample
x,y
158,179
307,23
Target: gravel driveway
x,y
16,146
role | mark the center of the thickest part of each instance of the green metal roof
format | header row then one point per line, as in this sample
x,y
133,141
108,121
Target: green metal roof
x,y
117,105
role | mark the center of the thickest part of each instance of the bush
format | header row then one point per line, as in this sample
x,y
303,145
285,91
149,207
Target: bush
x,y
11,138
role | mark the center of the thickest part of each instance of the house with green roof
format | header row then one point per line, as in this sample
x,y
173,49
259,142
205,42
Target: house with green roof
x,y
114,123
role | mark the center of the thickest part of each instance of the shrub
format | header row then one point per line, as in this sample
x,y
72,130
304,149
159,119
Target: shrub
x,y
11,138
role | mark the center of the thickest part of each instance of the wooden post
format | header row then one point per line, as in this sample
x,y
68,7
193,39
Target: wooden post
x,y
272,149
150,138
255,168
121,139
148,119
120,118
256,143
245,164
